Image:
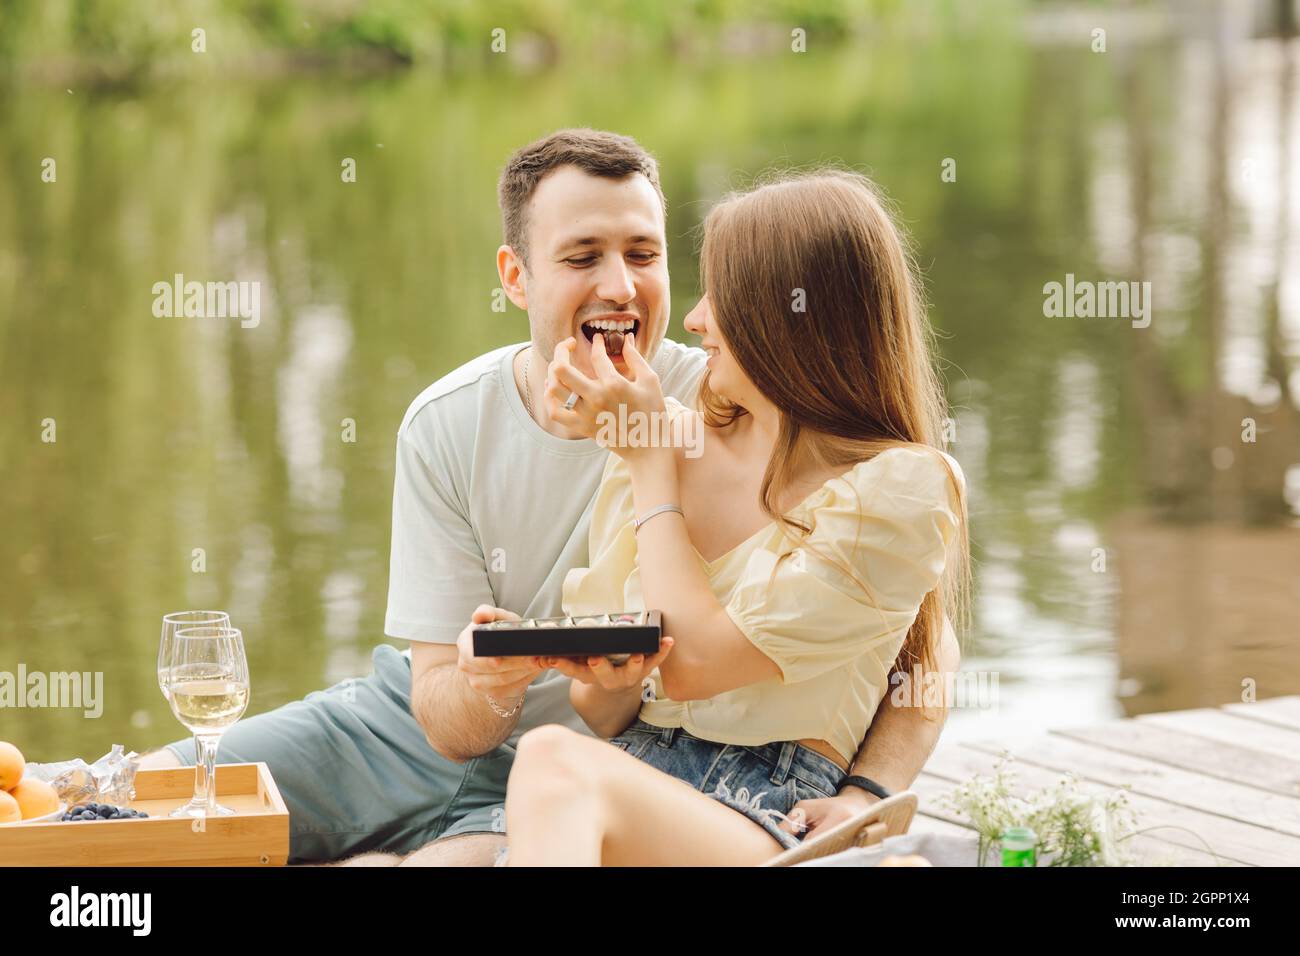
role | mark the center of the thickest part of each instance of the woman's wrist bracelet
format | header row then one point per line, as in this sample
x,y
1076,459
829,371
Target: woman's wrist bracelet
x,y
662,509
866,784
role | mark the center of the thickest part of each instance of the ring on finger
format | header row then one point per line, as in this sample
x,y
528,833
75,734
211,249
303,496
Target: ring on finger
x,y
571,401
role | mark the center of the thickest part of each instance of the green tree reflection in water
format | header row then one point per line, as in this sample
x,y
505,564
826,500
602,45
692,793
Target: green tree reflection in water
x,y
176,434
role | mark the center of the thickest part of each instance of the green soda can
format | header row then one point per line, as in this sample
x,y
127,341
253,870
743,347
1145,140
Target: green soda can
x,y
1018,846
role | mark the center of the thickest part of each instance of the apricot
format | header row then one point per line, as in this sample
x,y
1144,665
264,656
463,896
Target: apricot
x,y
12,765
36,798
10,812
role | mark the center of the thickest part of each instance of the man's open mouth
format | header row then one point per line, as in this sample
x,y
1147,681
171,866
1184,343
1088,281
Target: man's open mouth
x,y
613,330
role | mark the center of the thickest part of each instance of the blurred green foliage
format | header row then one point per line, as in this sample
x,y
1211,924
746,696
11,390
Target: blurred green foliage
x,y
130,39
175,434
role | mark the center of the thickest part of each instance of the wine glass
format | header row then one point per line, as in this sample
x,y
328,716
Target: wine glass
x,y
207,687
174,622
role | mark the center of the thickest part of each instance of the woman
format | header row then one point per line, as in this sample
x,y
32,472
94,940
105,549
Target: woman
x,y
808,550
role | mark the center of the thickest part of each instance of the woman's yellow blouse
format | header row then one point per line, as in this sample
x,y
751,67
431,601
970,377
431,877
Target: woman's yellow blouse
x,y
890,519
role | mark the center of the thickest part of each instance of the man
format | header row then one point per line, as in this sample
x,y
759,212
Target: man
x,y
491,508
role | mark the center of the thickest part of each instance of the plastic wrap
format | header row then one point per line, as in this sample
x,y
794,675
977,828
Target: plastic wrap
x,y
110,779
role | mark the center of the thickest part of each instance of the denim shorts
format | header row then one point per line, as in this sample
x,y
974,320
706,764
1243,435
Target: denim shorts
x,y
763,782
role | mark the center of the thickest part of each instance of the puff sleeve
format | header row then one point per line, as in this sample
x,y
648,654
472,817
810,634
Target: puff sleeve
x,y
891,520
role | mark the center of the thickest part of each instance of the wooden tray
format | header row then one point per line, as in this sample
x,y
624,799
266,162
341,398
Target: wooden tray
x,y
257,835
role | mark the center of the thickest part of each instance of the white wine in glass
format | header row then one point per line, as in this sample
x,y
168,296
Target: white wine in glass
x,y
208,688
205,699
173,622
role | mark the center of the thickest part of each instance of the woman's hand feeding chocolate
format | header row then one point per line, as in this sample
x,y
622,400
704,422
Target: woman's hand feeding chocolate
x,y
624,412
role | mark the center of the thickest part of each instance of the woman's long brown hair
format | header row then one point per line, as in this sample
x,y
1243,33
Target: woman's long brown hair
x,y
852,373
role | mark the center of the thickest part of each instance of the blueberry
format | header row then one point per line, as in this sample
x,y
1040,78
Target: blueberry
x,y
105,811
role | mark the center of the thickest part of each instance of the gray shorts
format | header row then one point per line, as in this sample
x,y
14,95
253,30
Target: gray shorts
x,y
357,772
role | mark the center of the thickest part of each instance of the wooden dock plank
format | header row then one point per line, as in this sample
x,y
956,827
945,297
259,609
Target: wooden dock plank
x,y
1238,764
1227,837
1230,729
1282,711
1227,777
1149,850
1163,782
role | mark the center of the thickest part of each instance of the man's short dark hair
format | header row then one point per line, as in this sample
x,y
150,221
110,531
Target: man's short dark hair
x,y
593,151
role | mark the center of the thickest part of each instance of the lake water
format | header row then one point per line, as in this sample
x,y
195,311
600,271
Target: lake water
x,y
1132,551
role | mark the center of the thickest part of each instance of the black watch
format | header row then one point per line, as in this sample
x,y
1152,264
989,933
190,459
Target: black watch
x,y
867,784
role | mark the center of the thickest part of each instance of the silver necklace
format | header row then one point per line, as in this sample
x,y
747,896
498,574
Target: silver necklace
x,y
528,391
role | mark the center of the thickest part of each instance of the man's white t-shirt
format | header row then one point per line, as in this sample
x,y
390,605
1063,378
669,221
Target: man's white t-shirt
x,y
489,508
